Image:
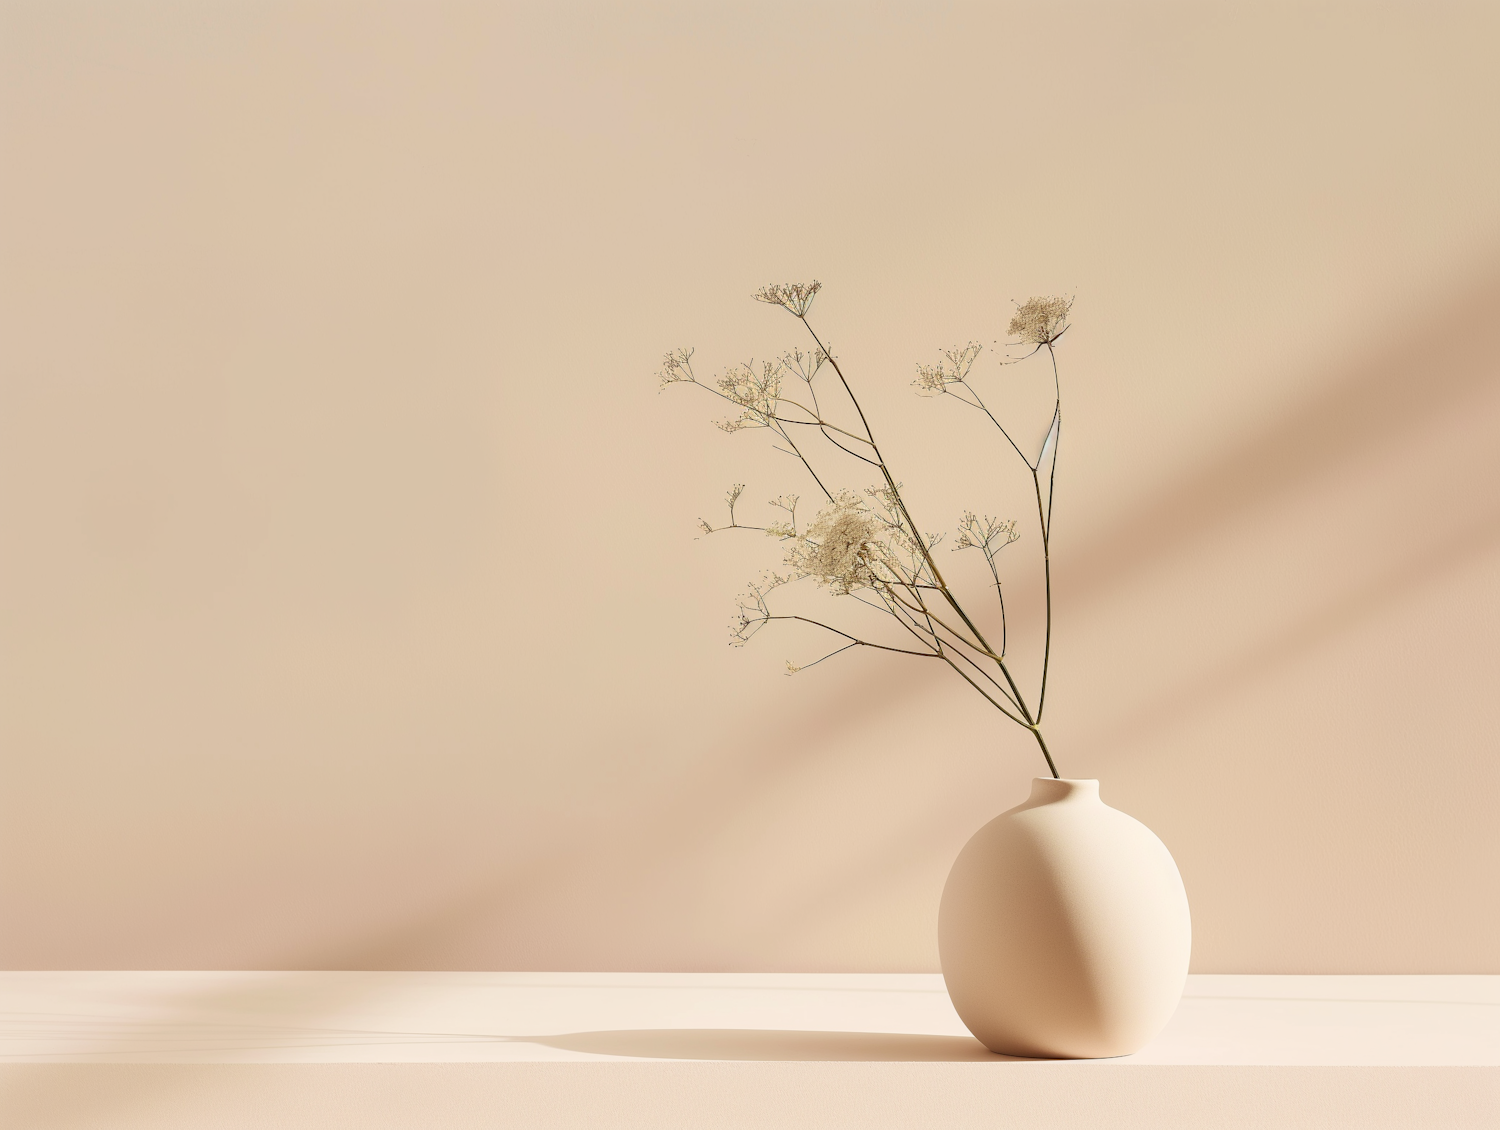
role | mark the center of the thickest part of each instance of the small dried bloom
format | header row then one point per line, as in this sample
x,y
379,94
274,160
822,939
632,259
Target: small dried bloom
x,y
962,360
676,367
731,496
796,297
933,380
930,380
786,527
988,534
742,627
804,366
751,612
756,392
792,668
1041,320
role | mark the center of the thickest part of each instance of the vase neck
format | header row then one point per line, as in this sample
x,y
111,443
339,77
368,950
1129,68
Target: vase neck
x,y
1050,790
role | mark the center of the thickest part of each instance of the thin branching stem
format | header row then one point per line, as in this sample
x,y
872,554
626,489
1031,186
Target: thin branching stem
x,y
856,639
964,675
1045,518
830,655
921,606
817,420
987,678
895,491
1026,719
1047,574
979,403
797,451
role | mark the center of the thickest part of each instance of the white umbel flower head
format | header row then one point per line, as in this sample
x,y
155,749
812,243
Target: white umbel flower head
x,y
1041,321
842,547
796,297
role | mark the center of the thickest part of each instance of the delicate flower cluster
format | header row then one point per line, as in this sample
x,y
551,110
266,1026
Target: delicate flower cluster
x,y
933,380
1041,320
676,367
751,612
860,542
843,547
975,532
786,528
804,366
796,297
756,393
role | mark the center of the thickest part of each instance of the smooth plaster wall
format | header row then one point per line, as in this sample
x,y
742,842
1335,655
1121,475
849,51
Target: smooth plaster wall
x,y
352,612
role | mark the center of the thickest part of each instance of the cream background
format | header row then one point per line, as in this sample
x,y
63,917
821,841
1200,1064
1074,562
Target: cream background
x,y
352,612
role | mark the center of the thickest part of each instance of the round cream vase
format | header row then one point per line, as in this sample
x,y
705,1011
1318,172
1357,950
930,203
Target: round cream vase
x,y
1064,929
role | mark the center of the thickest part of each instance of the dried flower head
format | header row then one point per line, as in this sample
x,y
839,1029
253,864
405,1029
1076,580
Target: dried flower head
x,y
843,547
1041,320
804,366
676,367
796,297
988,534
787,527
755,392
933,380
930,380
751,611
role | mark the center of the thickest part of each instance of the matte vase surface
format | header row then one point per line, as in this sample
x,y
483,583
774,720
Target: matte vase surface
x,y
1064,928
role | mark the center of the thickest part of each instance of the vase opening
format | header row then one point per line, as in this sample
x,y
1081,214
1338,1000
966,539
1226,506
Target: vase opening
x,y
1051,790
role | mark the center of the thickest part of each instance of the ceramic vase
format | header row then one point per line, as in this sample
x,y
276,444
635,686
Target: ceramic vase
x,y
1064,929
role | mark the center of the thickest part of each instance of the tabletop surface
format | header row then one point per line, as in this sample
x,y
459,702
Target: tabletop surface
x,y
366,1017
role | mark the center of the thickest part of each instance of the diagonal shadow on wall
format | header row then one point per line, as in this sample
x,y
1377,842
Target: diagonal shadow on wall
x,y
1453,352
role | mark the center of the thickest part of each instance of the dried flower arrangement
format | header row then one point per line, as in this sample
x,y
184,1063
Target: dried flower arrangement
x,y
864,545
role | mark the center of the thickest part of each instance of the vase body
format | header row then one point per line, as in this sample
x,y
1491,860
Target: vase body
x,y
1064,929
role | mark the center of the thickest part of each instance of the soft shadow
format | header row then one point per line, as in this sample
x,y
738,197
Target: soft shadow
x,y
1440,355
1306,633
761,1044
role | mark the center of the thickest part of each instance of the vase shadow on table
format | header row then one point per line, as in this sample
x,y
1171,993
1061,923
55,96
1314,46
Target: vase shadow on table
x,y
762,1044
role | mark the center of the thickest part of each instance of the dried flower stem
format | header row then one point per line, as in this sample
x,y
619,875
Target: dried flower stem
x,y
942,585
854,545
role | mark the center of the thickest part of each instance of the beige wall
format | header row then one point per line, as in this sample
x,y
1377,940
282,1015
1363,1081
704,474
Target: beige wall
x,y
352,615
